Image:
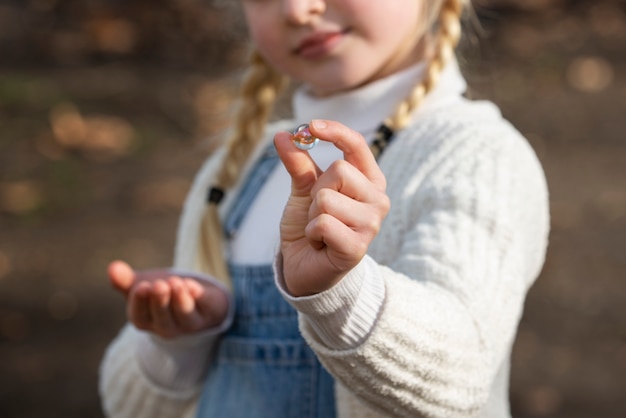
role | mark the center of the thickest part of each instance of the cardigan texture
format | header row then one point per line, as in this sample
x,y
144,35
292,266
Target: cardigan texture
x,y
424,325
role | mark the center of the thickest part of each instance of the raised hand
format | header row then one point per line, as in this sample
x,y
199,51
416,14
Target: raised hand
x,y
166,304
331,217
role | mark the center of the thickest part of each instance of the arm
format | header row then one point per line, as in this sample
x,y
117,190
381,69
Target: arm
x,y
141,374
128,392
461,253
156,365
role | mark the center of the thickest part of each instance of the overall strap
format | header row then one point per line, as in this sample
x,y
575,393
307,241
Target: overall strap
x,y
251,187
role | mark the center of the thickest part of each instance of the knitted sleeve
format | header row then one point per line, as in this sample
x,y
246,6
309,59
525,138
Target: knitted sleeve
x,y
464,240
127,391
141,370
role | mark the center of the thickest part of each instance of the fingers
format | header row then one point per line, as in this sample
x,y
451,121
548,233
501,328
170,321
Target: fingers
x,y
354,147
184,306
299,164
345,225
173,306
162,319
138,306
121,276
348,246
211,301
348,180
345,194
359,216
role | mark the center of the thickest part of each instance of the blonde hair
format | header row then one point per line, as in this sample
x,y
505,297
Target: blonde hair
x,y
446,39
259,91
258,95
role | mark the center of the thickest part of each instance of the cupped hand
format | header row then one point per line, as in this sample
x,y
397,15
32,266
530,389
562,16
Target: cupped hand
x,y
331,216
167,304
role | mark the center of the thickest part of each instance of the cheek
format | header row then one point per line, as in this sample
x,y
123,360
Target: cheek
x,y
259,26
257,34
273,54
390,16
267,42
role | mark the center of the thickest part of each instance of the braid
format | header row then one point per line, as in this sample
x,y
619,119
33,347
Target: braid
x,y
447,38
258,94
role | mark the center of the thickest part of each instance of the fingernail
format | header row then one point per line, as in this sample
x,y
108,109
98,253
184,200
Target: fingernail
x,y
318,124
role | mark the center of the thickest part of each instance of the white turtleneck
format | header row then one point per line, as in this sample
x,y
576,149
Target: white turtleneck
x,y
363,110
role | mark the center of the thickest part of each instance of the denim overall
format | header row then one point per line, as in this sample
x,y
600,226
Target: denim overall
x,y
262,367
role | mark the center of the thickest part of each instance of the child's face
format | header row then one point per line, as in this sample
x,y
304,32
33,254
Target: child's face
x,y
335,45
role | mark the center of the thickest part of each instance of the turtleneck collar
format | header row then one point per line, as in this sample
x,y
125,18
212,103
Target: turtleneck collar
x,y
365,108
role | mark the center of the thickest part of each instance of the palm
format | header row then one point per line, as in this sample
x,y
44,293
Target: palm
x,y
167,303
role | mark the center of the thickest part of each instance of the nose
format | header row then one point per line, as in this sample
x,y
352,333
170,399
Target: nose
x,y
301,12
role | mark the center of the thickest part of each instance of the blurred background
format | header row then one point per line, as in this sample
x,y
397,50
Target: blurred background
x,y
108,107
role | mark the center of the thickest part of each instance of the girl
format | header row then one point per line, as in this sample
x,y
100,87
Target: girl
x,y
382,273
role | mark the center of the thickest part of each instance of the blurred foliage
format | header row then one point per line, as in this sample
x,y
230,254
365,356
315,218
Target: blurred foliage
x,y
180,33
160,32
108,108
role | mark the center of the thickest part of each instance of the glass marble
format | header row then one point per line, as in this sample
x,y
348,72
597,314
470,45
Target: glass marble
x,y
303,139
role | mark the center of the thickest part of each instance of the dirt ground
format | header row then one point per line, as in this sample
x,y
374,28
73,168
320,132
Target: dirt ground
x,y
97,153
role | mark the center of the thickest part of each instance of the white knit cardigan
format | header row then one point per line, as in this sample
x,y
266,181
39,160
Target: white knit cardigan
x,y
424,325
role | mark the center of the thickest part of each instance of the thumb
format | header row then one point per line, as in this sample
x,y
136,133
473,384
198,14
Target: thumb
x,y
299,164
121,275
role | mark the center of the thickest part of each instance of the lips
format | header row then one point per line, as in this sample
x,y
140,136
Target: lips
x,y
319,44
